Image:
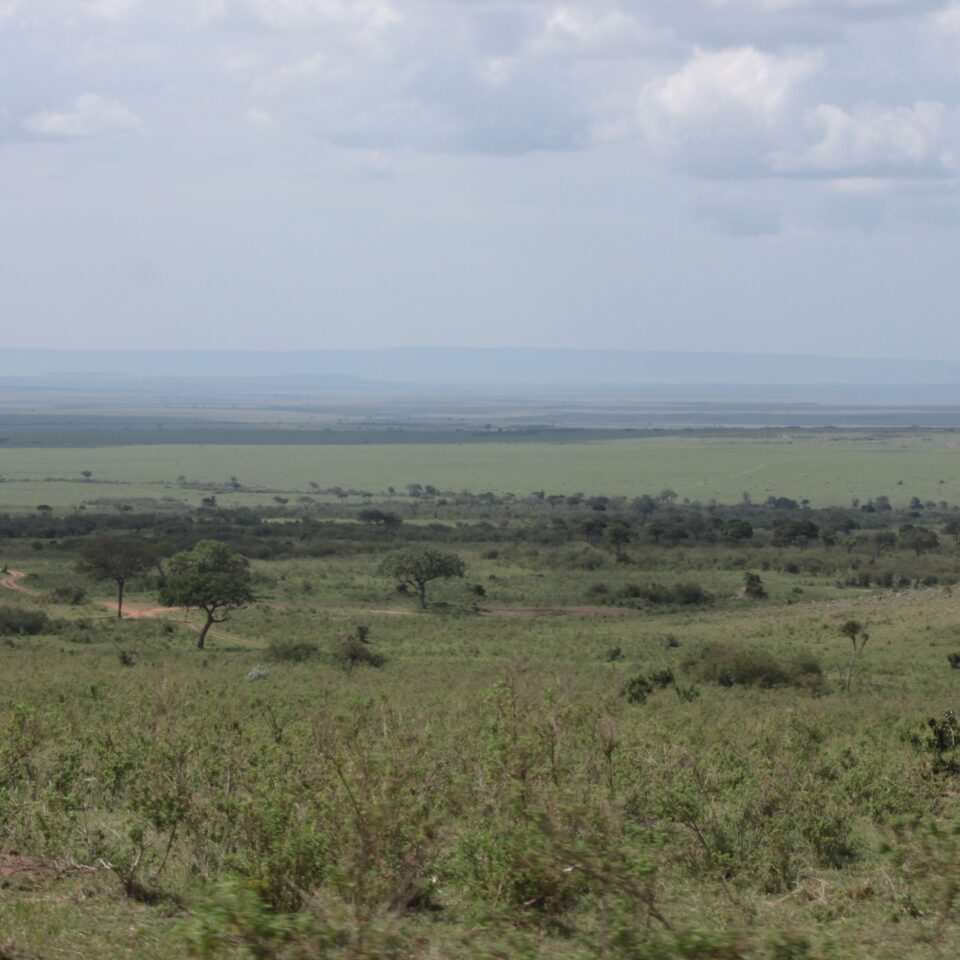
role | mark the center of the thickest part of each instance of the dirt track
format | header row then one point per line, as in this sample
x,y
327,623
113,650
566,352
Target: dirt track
x,y
131,611
11,580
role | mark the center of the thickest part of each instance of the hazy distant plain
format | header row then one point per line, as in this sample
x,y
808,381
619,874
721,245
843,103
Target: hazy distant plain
x,y
822,467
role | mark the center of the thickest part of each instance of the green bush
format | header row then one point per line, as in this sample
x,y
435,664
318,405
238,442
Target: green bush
x,y
637,689
730,665
291,651
71,594
20,622
349,651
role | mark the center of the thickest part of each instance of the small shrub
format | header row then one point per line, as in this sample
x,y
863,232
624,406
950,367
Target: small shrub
x,y
582,557
72,594
690,594
348,652
806,671
126,658
943,740
614,654
685,594
291,651
954,659
662,678
637,689
687,693
599,589
20,622
753,586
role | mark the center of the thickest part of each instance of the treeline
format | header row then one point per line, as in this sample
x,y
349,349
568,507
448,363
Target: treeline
x,y
862,533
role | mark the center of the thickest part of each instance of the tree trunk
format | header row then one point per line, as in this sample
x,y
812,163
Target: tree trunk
x,y
120,584
849,677
422,594
204,630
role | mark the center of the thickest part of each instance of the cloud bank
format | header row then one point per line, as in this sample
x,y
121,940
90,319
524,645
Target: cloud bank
x,y
428,143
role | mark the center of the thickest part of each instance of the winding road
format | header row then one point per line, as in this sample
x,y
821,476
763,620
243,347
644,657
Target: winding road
x,y
11,580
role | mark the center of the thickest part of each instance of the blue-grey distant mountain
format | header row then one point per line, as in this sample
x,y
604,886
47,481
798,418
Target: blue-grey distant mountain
x,y
452,366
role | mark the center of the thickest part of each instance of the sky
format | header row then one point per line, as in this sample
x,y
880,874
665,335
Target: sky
x,y
770,176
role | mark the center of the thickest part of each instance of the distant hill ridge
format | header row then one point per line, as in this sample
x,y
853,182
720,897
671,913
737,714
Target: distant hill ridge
x,y
505,366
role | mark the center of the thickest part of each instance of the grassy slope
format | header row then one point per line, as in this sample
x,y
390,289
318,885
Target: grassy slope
x,y
438,685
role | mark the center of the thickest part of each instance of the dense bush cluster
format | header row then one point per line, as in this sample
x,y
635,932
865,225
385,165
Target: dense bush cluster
x,y
732,665
21,621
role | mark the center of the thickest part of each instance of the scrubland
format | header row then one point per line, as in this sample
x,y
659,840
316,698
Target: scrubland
x,y
566,755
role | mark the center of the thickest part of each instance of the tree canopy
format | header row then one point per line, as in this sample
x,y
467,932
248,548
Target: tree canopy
x,y
210,577
417,566
117,559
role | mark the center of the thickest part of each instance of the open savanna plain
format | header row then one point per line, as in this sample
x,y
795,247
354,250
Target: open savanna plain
x,y
636,727
825,467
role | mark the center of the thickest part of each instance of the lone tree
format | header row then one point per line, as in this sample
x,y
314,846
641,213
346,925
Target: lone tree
x,y
117,559
858,636
210,577
417,566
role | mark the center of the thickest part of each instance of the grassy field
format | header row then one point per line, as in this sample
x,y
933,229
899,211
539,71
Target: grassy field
x,y
598,743
825,468
493,763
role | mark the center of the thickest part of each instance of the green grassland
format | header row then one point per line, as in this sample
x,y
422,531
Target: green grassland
x,y
826,468
493,764
584,748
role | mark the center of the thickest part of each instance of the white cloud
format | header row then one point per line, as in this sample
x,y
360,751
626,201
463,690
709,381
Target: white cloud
x,y
948,20
826,6
258,118
368,14
943,34
721,108
304,69
8,8
110,9
91,116
873,139
589,32
241,62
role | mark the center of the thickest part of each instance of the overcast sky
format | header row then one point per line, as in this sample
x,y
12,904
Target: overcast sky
x,y
741,175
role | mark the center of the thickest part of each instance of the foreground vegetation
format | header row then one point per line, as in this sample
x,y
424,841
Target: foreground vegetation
x,y
622,727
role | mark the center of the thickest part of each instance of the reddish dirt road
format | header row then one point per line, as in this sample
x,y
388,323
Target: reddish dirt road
x,y
10,580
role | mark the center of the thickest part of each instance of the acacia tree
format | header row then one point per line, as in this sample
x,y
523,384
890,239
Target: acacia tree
x,y
117,559
417,566
918,539
855,632
210,577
